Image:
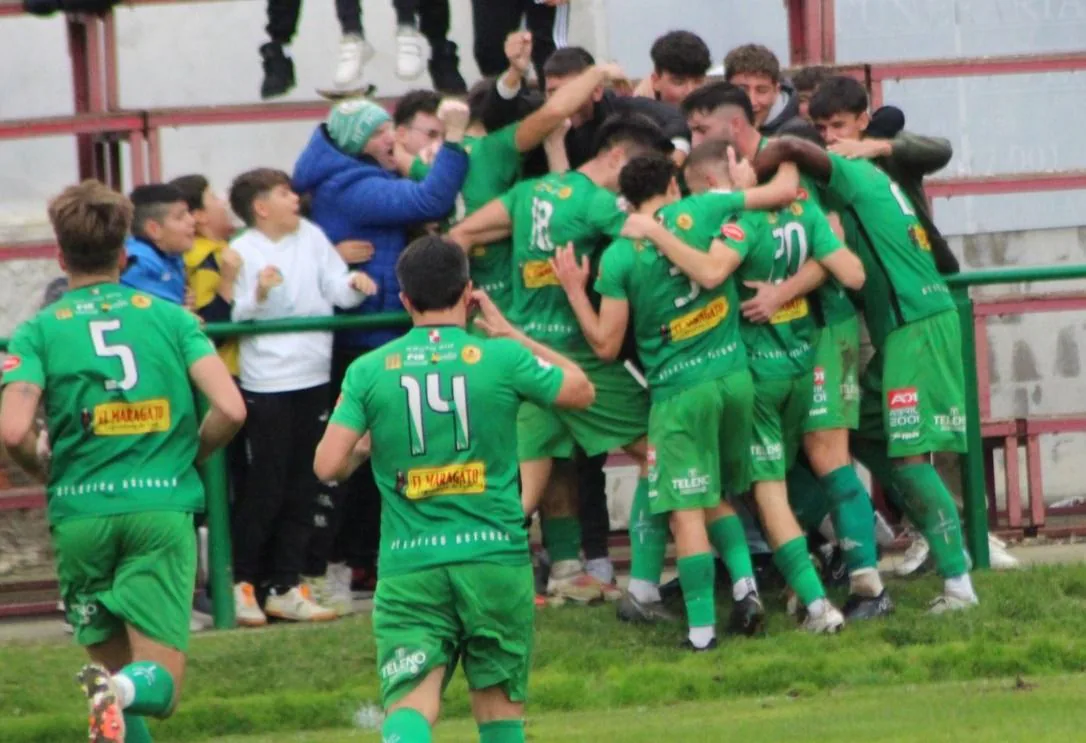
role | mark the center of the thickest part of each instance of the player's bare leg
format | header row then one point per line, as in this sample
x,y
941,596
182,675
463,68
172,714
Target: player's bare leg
x,y
728,537
790,554
534,476
853,518
498,718
413,717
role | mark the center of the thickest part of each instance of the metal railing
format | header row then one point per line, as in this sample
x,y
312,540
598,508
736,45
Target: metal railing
x,y
213,472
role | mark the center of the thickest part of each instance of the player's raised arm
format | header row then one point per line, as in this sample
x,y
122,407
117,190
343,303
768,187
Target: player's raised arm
x,y
485,227
709,269
562,104
227,411
603,331
808,157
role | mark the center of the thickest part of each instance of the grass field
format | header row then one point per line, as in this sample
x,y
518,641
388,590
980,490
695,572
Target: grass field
x,y
592,673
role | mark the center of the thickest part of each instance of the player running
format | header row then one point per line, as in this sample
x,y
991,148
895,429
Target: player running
x,y
116,367
440,407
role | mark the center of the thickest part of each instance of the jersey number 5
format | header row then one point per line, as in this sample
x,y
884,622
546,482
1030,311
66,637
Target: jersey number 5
x,y
98,330
458,407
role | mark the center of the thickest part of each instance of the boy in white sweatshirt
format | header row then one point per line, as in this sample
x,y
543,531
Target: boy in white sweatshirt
x,y
288,269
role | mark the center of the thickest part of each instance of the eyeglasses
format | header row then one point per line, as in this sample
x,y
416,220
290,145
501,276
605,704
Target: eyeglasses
x,y
432,134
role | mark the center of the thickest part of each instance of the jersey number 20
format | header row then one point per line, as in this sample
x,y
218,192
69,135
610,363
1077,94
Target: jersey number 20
x,y
98,330
457,407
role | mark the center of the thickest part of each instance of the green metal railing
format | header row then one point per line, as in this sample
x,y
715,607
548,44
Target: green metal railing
x,y
214,476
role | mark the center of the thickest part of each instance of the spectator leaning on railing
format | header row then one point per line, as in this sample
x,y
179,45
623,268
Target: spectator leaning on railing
x,y
162,231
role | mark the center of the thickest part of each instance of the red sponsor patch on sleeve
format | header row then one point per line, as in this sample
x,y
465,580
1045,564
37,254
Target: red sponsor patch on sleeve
x,y
733,231
12,362
802,194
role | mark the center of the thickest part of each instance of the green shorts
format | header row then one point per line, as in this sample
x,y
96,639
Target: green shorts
x,y
481,612
913,389
781,407
699,444
618,417
137,569
835,400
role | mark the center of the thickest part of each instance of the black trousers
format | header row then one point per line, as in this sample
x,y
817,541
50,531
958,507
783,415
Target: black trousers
x,y
431,17
283,18
347,519
273,515
592,494
496,19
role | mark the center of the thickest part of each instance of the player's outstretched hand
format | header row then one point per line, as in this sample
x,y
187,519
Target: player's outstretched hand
x,y
742,173
638,226
571,273
490,318
765,302
363,284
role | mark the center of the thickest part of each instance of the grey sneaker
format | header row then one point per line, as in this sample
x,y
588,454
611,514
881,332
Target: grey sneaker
x,y
631,610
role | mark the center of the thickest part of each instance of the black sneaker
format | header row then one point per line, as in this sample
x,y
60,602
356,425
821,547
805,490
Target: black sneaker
x,y
278,71
631,610
748,616
687,645
831,566
445,70
866,607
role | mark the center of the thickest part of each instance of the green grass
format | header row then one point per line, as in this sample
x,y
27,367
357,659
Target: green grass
x,y
285,679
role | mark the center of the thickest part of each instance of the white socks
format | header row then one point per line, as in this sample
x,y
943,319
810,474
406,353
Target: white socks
x,y
865,582
742,587
700,637
126,690
818,607
643,591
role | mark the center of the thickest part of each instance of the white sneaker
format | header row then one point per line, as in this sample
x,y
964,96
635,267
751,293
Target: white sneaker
x,y
410,53
915,557
949,602
998,555
246,610
569,581
297,605
829,622
337,589
884,533
354,52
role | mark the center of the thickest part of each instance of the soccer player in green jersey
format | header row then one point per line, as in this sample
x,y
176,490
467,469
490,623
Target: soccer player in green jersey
x,y
494,160
770,246
115,368
577,207
440,407
909,408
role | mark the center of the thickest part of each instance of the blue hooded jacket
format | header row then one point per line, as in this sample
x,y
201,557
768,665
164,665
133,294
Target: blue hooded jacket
x,y
152,271
356,199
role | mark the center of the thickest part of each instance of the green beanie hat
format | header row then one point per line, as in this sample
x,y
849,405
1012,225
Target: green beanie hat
x,y
353,122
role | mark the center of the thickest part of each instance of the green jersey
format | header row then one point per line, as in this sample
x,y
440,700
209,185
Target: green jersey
x,y
113,365
685,334
548,213
493,168
773,245
441,407
902,284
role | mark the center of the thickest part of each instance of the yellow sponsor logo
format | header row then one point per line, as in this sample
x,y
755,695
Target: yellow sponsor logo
x,y
794,310
64,314
393,361
471,354
132,418
453,479
141,301
684,222
697,322
478,251
920,238
796,208
565,192
539,274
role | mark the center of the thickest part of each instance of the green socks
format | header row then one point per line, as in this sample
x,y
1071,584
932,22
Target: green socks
x,y
872,455
810,503
501,731
135,729
853,518
936,515
697,573
794,562
730,541
145,688
648,537
562,538
406,726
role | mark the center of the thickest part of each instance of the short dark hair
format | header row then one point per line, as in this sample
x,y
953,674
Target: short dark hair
x,y
711,96
838,94
709,151
151,202
646,176
433,273
803,129
479,97
681,53
253,185
413,103
91,222
636,131
192,187
752,59
570,60
807,79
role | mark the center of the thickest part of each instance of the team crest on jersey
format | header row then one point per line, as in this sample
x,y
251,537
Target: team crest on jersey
x,y
141,301
919,236
565,192
64,314
435,336
471,354
12,362
802,195
732,231
393,361
771,217
796,208
684,222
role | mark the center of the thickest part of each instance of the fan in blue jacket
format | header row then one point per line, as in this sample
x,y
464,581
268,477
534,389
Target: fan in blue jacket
x,y
348,171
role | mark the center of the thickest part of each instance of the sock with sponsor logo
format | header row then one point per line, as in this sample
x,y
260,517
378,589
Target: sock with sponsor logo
x,y
730,541
135,729
853,518
794,562
562,537
145,688
406,725
697,574
809,501
648,543
502,731
936,515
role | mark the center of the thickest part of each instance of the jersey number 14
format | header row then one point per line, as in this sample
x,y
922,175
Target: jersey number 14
x,y
457,407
